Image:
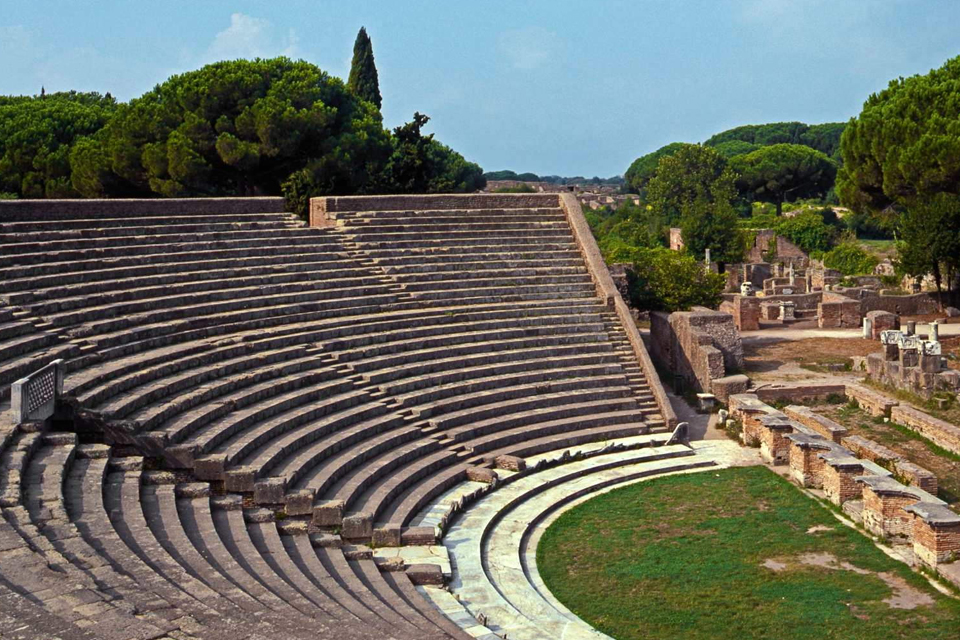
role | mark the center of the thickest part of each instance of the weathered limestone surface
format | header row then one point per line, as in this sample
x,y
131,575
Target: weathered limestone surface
x,y
273,398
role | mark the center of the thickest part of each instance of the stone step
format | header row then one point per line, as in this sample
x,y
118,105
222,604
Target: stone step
x,y
107,260
169,251
151,243
87,274
207,293
136,231
20,226
84,294
483,212
443,219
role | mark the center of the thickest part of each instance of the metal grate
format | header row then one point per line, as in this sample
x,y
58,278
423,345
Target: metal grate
x,y
41,388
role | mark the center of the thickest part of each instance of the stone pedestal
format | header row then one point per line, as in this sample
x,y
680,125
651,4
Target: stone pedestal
x,y
787,311
909,358
930,363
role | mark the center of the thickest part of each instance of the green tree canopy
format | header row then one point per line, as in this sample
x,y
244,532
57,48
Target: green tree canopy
x,y
905,144
238,127
665,280
644,168
850,259
808,230
732,148
695,188
825,138
930,238
901,154
363,80
772,173
36,135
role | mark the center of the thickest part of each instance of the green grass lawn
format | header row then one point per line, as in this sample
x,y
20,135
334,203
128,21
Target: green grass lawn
x,y
683,557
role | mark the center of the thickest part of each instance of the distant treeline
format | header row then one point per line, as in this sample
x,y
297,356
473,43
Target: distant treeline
x,y
532,177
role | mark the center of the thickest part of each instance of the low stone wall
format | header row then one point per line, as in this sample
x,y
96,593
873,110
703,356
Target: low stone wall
x,y
911,305
348,204
938,431
810,418
801,301
904,470
798,393
888,507
876,404
838,312
700,345
122,207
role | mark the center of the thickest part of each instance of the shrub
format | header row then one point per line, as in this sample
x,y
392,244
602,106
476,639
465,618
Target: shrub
x,y
665,280
850,259
808,230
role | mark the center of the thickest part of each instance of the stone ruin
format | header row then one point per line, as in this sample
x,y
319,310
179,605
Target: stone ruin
x,y
891,497
702,348
907,362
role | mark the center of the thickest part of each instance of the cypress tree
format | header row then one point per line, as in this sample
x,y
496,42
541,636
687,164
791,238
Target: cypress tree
x,y
363,79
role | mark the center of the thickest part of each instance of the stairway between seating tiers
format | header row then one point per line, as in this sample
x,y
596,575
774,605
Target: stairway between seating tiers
x,y
253,398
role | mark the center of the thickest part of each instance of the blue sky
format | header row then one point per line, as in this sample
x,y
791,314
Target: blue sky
x,y
551,87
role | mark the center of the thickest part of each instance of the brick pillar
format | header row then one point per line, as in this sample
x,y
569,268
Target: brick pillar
x,y
747,313
806,466
883,508
936,543
839,480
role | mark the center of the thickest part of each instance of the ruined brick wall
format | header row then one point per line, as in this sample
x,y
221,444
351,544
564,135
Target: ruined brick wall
x,y
822,425
746,313
883,513
840,485
911,305
938,431
841,314
761,244
872,402
790,253
756,272
802,301
798,393
701,345
676,239
935,544
806,466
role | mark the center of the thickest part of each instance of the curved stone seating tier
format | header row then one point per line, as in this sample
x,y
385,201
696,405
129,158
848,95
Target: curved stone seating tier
x,y
256,400
492,535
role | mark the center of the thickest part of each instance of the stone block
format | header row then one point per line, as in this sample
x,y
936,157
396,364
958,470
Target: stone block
x,y
270,491
510,463
425,574
299,503
328,513
386,536
358,526
240,479
418,537
210,467
481,474
727,386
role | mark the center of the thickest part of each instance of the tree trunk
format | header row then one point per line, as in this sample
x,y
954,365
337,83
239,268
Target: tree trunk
x,y
938,277
779,206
